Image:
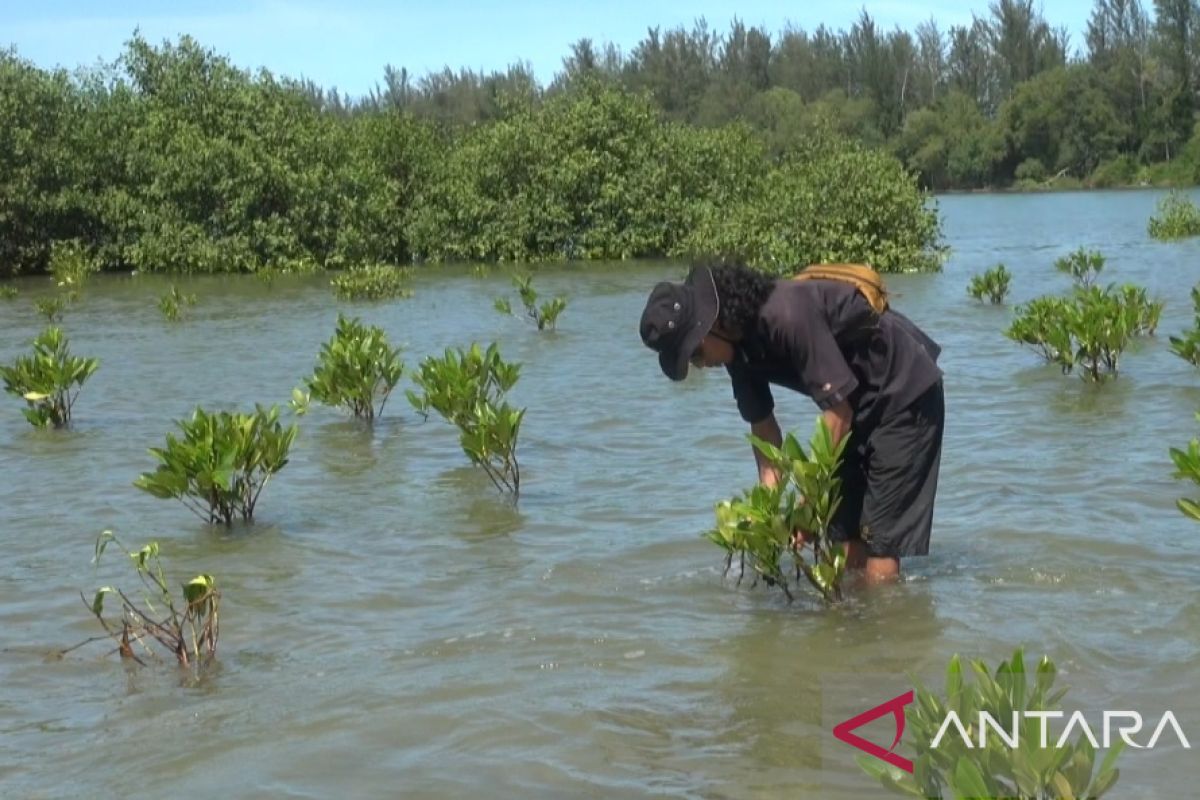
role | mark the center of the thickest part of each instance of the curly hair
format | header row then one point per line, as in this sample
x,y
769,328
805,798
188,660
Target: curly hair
x,y
742,291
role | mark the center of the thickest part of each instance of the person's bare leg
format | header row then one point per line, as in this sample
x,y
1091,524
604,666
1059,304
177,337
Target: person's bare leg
x,y
882,570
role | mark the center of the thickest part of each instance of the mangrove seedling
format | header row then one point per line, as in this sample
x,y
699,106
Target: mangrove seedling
x,y
52,308
544,316
71,265
1089,331
1100,329
996,749
301,265
1084,266
767,525
222,463
187,628
357,370
1177,218
992,284
49,381
8,293
376,282
1042,325
467,388
173,302
1187,468
1187,346
1141,313
481,270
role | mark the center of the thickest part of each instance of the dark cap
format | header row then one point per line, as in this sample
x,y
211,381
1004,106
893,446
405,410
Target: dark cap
x,y
677,317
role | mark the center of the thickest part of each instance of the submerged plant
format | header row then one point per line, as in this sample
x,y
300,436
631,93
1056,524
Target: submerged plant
x,y
1089,331
52,308
187,628
356,370
372,283
1013,698
172,303
1100,329
1187,345
1042,325
71,265
467,388
1177,218
992,284
301,265
543,316
760,525
221,464
49,380
1084,266
1187,468
1141,313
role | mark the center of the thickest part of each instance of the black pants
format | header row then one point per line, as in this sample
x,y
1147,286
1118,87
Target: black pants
x,y
889,480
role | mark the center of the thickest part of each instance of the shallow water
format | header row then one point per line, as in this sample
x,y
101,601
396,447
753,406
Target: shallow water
x,y
391,627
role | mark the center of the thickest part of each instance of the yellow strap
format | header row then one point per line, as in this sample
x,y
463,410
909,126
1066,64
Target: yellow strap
x,y
861,276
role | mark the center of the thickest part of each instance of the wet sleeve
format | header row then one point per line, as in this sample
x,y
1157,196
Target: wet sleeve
x,y
752,393
818,360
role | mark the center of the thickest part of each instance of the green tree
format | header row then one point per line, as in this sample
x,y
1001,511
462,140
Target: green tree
x,y
675,67
740,73
809,65
791,219
1176,26
952,144
969,65
36,109
1062,119
1118,40
1023,44
930,75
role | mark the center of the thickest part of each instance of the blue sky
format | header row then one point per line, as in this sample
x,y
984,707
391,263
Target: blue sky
x,y
347,43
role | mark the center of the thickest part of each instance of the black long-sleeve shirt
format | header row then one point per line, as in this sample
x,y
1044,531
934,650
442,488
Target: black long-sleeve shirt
x,y
822,338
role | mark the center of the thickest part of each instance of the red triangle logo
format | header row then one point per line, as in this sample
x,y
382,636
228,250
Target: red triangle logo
x,y
895,707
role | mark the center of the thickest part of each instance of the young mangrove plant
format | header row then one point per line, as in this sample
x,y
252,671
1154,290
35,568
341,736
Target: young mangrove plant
x,y
467,388
1187,345
173,302
186,628
767,525
1042,324
1177,218
1100,329
52,308
357,370
1088,331
992,284
1141,313
544,316
221,464
71,265
996,749
375,282
8,292
300,265
1187,468
50,380
1084,266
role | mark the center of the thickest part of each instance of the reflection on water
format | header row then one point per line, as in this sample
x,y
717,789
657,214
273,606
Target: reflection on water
x,y
391,621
